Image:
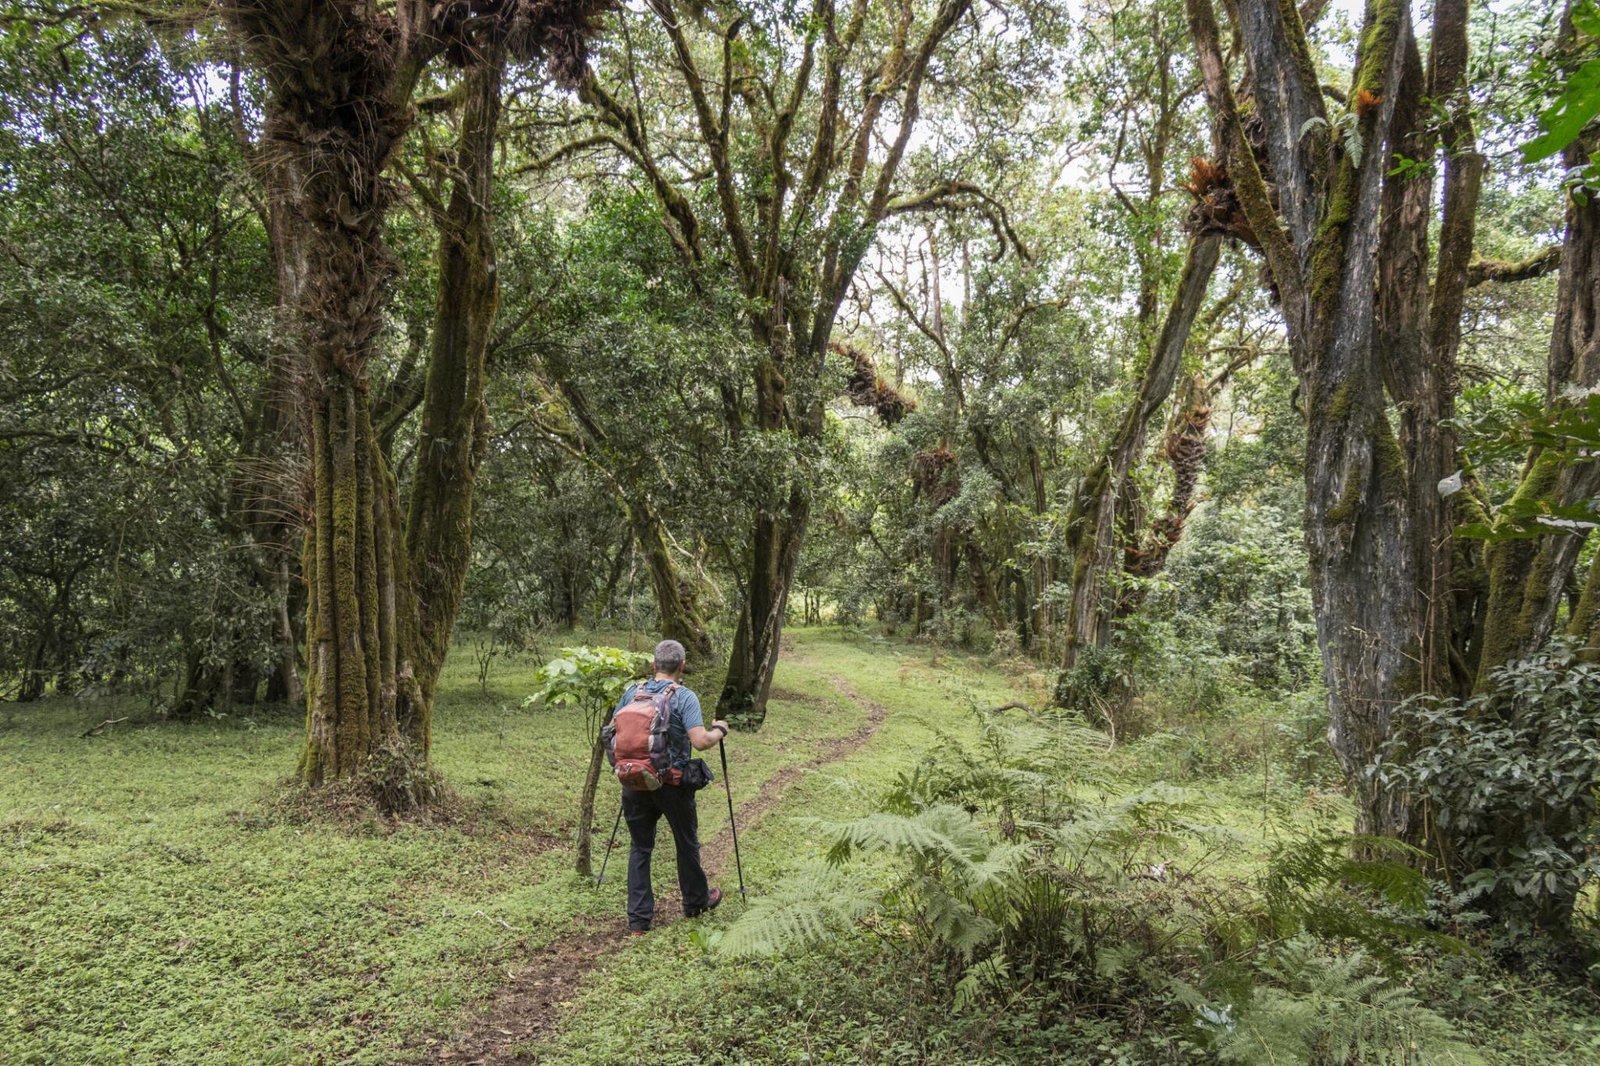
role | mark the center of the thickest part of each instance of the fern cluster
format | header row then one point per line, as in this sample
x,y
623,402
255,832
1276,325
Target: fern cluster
x,y
1019,874
1322,1008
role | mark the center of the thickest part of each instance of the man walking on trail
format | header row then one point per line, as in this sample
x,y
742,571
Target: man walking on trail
x,y
643,809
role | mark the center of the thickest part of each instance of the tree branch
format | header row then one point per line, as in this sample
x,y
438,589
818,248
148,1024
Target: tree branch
x,y
715,136
951,195
1481,271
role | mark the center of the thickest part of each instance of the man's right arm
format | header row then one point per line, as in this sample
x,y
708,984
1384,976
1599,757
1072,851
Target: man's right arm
x,y
703,738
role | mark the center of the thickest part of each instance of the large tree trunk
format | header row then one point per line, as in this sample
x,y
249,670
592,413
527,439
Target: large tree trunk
x,y
1529,579
455,422
775,552
334,116
362,618
780,524
1378,544
381,599
676,604
1094,524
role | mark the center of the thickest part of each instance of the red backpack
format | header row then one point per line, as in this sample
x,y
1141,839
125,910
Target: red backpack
x,y
636,740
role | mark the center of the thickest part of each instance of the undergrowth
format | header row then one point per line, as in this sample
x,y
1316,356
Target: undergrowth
x,y
1020,893
971,886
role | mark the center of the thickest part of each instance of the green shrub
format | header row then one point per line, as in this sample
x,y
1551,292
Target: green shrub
x,y
1506,783
1323,1008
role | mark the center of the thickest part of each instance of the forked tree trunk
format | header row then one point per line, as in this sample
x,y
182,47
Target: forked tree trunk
x,y
381,598
1376,541
795,301
775,553
1094,524
383,594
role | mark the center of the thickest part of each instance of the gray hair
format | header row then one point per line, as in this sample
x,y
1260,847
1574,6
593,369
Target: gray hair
x,y
669,656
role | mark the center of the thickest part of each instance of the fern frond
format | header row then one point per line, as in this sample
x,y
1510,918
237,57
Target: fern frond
x,y
942,833
815,903
1328,1010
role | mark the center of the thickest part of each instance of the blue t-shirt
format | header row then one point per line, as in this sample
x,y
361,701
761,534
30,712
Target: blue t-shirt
x,y
684,711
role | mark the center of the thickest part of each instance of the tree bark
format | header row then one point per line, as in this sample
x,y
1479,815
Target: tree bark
x,y
455,422
381,596
680,617
1376,542
591,788
1185,451
1529,579
1094,524
775,552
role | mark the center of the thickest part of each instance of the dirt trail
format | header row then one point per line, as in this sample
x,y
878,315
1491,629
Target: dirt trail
x,y
532,1004
717,853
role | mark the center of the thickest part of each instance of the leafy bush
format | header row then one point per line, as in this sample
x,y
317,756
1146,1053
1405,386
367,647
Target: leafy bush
x,y
1506,782
592,679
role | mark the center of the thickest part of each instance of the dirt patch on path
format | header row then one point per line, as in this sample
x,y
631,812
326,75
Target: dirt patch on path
x,y
717,853
529,1006
532,1005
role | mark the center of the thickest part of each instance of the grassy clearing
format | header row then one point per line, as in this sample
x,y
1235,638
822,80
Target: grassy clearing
x,y
160,904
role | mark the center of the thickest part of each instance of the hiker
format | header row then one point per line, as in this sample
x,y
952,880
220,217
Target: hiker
x,y
645,802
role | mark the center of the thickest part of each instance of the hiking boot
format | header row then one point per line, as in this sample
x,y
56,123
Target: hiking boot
x,y
712,899
638,932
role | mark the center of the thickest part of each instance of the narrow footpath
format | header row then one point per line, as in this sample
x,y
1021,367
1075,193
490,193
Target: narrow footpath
x,y
531,1006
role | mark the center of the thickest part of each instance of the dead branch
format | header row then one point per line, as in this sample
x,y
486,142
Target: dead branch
x,y
103,726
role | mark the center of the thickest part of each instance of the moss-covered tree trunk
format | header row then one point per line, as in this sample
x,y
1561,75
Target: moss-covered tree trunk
x,y
676,599
1373,535
1530,579
1185,451
382,593
1093,526
361,622
775,539
455,422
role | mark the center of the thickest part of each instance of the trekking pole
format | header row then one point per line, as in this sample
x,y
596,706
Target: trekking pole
x,y
732,825
614,827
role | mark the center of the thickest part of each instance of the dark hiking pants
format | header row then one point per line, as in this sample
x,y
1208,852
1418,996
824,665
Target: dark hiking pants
x,y
642,810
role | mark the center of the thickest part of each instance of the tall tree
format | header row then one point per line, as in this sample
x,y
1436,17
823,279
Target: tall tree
x,y
784,124
383,591
1367,327
1143,93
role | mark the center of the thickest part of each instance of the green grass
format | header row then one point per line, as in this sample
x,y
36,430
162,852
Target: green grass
x,y
160,903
